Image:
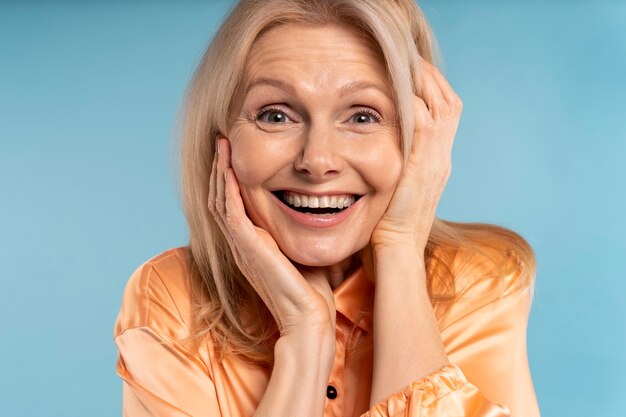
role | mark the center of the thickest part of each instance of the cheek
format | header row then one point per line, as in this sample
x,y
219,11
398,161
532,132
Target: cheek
x,y
247,168
249,159
382,169
255,159
251,173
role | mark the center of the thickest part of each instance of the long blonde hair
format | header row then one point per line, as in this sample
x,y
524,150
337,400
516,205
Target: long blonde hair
x,y
399,30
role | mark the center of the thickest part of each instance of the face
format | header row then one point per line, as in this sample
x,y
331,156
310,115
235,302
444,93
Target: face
x,y
315,144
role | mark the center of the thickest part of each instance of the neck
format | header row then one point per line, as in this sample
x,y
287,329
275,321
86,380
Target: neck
x,y
335,274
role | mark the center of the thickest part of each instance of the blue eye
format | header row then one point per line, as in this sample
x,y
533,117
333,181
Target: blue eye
x,y
365,116
273,116
277,116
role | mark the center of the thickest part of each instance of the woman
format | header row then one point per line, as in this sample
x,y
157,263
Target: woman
x,y
317,281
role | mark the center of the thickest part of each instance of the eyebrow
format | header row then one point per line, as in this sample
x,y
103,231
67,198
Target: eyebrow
x,y
346,89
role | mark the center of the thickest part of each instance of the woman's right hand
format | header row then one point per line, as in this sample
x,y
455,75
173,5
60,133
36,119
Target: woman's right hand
x,y
301,301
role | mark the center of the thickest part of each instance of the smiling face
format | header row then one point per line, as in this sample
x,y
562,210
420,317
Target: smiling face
x,y
315,126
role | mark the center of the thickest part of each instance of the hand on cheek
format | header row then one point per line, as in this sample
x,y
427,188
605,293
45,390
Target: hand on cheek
x,y
298,299
411,212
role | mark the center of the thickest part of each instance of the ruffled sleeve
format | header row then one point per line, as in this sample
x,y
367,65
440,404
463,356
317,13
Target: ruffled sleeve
x,y
443,393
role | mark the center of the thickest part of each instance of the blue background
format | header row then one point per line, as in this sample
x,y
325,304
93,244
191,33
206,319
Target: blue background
x,y
89,94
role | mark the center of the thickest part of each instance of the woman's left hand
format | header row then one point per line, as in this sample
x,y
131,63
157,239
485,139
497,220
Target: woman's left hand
x,y
411,212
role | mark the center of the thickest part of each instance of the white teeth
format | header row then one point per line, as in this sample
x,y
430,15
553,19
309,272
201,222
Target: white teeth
x,y
325,201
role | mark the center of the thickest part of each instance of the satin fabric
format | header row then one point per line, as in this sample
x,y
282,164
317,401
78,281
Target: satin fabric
x,y
483,330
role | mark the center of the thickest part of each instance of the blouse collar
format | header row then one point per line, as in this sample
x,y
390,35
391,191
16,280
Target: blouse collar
x,y
356,293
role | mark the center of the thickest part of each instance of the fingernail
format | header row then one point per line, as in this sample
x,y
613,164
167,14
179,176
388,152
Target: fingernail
x,y
217,146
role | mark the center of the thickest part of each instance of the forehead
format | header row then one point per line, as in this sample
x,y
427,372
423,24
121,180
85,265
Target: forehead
x,y
315,55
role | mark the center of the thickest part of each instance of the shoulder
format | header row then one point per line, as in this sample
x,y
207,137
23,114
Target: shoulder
x,y
480,275
493,268
157,295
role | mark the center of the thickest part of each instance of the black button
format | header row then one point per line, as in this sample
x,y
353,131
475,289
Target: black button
x,y
331,392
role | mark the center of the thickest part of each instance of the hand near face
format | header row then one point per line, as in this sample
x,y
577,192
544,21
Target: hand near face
x,y
297,304
411,212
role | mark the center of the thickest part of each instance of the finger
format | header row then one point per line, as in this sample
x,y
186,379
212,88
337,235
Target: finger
x,y
431,94
234,212
212,185
215,179
423,127
426,128
452,109
233,201
425,147
219,184
421,114
447,91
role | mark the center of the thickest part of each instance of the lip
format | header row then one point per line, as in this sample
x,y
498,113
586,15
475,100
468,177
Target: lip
x,y
318,194
317,221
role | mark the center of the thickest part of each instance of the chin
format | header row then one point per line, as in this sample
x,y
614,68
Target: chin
x,y
319,255
315,260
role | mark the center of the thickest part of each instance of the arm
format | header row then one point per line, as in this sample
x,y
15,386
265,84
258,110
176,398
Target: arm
x,y
403,354
183,386
484,334
161,378
400,238
301,301
164,377
407,344
299,378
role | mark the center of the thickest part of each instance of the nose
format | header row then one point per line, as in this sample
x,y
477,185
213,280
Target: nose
x,y
319,158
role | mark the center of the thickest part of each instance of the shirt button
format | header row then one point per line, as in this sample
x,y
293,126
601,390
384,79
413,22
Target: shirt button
x,y
331,392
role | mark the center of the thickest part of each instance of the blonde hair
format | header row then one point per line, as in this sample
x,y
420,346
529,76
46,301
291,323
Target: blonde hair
x,y
399,30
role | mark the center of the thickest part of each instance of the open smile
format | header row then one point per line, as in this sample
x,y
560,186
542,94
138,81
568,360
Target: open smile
x,y
317,210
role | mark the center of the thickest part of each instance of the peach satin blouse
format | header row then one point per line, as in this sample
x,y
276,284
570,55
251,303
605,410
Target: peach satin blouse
x,y
484,333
